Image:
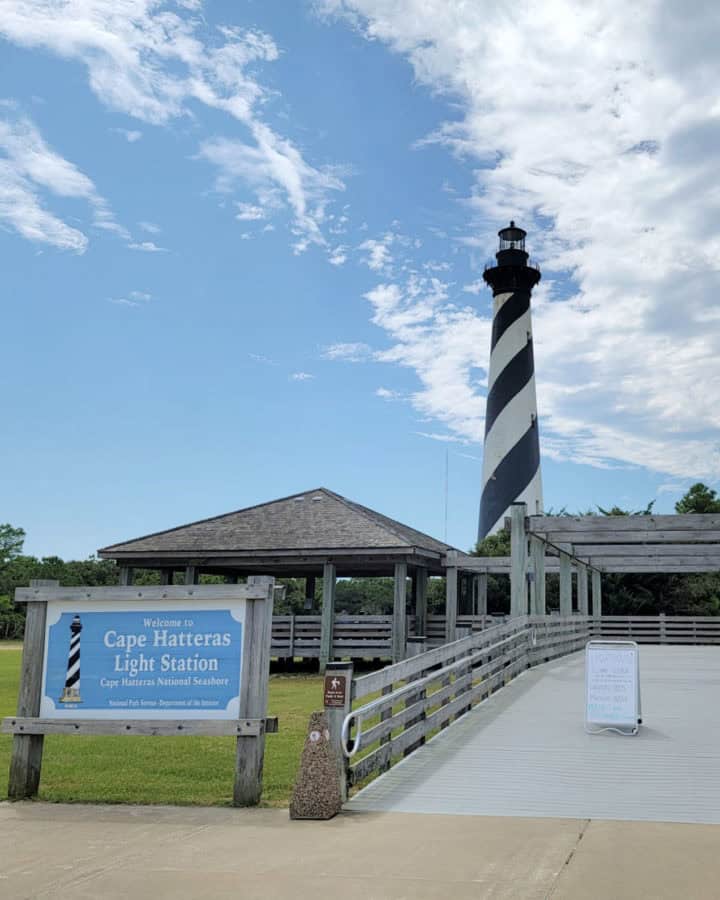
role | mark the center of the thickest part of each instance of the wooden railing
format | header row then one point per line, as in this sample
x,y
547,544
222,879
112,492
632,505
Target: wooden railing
x,y
424,694
366,637
353,636
358,636
659,629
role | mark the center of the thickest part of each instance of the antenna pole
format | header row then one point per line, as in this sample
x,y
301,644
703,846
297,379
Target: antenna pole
x,y
447,481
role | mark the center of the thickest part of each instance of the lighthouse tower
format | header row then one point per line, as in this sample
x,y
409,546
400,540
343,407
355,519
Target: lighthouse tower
x,y
511,459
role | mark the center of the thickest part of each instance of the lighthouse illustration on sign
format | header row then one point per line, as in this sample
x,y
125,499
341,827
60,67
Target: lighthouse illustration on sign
x,y
511,458
71,691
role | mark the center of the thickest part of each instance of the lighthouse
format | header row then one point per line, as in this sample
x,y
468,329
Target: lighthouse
x,y
511,458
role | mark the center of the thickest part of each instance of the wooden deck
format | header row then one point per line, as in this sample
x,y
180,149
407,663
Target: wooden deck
x,y
524,751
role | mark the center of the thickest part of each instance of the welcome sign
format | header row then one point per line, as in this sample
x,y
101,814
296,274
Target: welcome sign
x,y
120,661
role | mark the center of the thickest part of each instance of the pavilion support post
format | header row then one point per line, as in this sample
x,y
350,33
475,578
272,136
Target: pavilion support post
x,y
328,614
537,551
310,592
421,581
192,575
469,606
231,579
466,604
399,632
126,576
451,601
481,586
565,584
518,563
582,581
596,594
166,576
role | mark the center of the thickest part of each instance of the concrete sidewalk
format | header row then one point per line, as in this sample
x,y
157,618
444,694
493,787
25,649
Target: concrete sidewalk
x,y
78,852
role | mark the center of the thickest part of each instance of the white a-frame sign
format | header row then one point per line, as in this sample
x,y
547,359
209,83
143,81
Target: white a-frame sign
x,y
612,687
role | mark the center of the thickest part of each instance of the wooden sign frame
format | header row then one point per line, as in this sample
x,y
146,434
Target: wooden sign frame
x,y
28,729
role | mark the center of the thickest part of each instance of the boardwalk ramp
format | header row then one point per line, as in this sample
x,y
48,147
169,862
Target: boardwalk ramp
x,y
524,751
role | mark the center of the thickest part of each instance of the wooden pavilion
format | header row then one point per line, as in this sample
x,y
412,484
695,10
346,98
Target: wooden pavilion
x,y
314,534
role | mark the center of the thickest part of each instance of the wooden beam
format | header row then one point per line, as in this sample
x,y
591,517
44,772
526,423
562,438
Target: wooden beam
x,y
451,603
328,615
421,581
699,563
624,536
518,556
250,750
596,594
399,635
143,594
690,521
497,565
565,585
166,576
126,576
664,569
537,551
481,586
309,592
27,750
641,550
582,582
144,727
192,575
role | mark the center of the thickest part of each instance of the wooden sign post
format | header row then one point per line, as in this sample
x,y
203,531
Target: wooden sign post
x,y
169,660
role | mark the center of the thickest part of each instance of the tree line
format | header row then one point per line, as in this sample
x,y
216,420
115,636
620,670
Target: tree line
x,y
623,594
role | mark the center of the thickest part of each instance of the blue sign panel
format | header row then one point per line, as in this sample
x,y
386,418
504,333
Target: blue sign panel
x,y
103,662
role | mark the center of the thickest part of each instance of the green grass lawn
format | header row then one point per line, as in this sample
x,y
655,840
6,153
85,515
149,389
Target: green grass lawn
x,y
182,770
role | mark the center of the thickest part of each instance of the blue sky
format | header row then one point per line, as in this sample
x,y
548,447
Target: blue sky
x,y
241,246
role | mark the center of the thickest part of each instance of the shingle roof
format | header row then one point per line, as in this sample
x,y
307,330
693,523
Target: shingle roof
x,y
314,520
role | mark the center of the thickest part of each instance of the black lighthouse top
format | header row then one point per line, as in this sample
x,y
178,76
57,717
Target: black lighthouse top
x,y
513,271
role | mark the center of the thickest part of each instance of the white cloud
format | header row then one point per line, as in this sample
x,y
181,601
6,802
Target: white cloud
x,y
146,59
147,247
134,299
130,135
442,343
301,376
150,227
388,394
474,287
248,212
672,487
258,357
280,176
596,126
444,439
356,352
379,257
338,256
29,169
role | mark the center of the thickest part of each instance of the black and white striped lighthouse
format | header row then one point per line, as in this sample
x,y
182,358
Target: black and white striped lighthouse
x,y
71,692
511,458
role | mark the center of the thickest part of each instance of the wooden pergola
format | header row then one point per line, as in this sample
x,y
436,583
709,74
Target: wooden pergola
x,y
590,546
316,534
